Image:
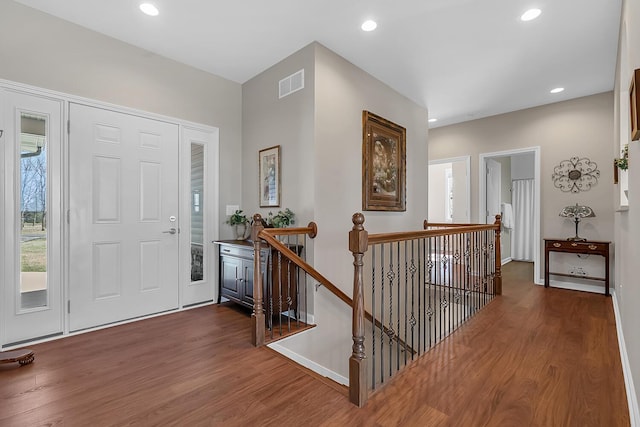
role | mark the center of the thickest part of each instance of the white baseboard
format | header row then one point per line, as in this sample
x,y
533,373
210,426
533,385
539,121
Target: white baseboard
x,y
506,260
576,286
309,364
632,399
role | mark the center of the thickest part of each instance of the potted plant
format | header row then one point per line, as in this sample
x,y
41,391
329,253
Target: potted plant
x,y
623,162
281,219
239,223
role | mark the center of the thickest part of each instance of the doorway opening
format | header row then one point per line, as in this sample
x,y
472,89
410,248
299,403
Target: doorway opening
x,y
509,184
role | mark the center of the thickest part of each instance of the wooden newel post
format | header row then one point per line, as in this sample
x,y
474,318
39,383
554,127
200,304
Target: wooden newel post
x,y
358,242
497,281
257,317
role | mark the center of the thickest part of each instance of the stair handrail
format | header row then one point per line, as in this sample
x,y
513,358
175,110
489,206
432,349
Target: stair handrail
x,y
267,235
375,239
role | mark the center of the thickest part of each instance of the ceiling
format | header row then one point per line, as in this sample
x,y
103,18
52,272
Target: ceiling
x,y
461,59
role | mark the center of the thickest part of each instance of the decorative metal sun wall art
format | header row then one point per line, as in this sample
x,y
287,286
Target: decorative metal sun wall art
x,y
575,175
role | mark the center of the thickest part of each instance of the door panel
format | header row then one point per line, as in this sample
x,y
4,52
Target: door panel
x,y
30,225
123,216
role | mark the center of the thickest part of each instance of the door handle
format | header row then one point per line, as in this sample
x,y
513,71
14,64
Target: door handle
x,y
172,230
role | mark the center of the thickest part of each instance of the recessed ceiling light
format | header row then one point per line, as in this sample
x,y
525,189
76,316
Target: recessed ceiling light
x,y
557,90
530,14
369,25
433,120
149,9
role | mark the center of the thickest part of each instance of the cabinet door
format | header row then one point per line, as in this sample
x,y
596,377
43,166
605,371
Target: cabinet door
x,y
231,277
247,283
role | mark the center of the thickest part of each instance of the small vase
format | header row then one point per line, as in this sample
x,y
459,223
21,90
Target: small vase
x,y
241,231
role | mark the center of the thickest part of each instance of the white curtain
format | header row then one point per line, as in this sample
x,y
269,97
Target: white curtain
x,y
523,223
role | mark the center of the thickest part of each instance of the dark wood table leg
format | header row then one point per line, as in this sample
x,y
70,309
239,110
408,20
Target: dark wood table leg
x,y
606,274
546,267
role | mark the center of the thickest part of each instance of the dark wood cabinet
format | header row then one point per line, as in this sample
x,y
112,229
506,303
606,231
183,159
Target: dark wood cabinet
x,y
279,281
236,271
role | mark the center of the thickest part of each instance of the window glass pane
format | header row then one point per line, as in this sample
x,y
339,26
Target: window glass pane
x,y
197,211
33,211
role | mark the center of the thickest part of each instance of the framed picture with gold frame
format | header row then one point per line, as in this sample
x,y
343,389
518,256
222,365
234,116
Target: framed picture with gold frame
x,y
269,167
634,108
383,164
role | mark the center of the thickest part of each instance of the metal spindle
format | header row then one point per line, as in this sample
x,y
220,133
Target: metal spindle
x,y
373,316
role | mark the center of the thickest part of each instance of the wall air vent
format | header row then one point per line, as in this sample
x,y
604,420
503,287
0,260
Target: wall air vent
x,y
290,84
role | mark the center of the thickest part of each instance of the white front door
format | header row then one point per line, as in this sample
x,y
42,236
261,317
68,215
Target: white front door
x,y
30,221
123,217
494,183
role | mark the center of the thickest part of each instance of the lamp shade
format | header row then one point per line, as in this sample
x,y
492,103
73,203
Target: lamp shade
x,y
577,211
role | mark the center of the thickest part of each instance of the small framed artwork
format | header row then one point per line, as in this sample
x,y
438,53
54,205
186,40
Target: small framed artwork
x,y
269,166
634,108
383,164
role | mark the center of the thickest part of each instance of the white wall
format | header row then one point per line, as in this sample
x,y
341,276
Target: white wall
x,y
627,226
48,52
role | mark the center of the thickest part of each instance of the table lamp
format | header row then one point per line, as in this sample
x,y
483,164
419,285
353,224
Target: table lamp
x,y
577,212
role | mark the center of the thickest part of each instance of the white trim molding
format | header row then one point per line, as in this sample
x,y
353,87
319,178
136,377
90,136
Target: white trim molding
x,y
632,399
309,364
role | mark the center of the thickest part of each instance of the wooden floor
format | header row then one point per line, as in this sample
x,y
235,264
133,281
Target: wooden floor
x,y
533,357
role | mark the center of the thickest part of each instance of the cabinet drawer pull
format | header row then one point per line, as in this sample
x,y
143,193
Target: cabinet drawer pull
x,y
226,250
557,245
593,247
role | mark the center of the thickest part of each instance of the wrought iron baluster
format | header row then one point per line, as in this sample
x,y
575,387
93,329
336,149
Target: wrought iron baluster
x,y
398,285
412,319
421,280
279,301
382,279
390,276
373,316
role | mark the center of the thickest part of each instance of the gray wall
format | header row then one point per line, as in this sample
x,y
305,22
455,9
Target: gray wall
x,y
320,130
522,166
627,226
579,127
288,122
48,52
